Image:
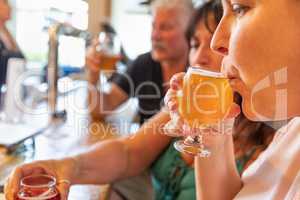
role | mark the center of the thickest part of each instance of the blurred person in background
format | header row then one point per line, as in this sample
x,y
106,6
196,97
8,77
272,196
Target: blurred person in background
x,y
147,76
8,45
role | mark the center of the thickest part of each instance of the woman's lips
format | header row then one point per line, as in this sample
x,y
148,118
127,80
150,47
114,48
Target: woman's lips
x,y
234,83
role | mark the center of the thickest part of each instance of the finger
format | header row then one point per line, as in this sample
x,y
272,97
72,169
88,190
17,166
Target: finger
x,y
9,195
173,106
173,128
191,131
171,96
12,187
93,56
95,42
176,81
233,112
63,189
92,66
95,59
120,57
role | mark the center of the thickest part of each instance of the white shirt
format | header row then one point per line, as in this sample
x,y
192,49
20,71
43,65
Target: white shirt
x,y
275,175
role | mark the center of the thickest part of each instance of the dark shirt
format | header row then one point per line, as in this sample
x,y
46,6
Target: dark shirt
x,y
144,80
5,54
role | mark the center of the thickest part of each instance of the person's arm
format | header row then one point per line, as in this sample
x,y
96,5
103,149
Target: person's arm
x,y
8,39
117,159
217,176
105,162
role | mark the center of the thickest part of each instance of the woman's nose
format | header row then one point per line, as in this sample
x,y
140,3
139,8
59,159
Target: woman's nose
x,y
220,40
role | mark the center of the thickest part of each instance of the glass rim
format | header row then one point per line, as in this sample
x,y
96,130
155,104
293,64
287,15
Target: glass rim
x,y
51,183
205,72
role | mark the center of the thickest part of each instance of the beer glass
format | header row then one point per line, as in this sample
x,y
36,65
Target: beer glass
x,y
204,100
38,187
109,49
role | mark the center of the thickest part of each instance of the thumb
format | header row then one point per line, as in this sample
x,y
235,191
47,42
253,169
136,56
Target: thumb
x,y
233,112
63,187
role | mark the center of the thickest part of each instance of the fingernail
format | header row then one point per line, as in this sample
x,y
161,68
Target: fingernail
x,y
173,106
175,86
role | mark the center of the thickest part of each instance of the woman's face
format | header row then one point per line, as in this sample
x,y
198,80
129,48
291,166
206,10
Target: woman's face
x,y
260,41
200,53
4,11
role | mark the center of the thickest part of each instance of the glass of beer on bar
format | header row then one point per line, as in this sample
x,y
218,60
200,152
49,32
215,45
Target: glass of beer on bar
x,y
204,100
38,187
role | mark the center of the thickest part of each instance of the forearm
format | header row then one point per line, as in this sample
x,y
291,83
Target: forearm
x,y
95,96
106,162
95,103
217,176
116,159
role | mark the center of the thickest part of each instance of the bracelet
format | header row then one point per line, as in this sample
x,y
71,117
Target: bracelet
x,y
64,181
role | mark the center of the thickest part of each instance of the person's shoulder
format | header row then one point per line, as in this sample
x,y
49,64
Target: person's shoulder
x,y
144,63
295,120
289,131
145,56
293,124
146,59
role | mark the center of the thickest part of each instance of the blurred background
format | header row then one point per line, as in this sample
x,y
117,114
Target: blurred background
x,y
30,19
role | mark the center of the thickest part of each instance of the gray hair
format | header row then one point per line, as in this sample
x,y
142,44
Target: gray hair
x,y
185,7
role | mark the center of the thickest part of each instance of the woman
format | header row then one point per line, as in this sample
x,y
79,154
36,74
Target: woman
x,y
8,46
259,40
173,173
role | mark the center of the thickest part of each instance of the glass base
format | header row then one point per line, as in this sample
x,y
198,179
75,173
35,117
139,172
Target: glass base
x,y
192,149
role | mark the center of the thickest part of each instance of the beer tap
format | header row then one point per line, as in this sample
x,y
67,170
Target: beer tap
x,y
54,32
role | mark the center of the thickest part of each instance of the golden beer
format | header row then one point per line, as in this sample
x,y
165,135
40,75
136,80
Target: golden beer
x,y
206,97
108,62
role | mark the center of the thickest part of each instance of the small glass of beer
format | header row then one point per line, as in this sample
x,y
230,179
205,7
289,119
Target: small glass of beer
x,y
109,49
204,100
38,187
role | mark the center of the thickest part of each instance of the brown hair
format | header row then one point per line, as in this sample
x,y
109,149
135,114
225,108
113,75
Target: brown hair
x,y
202,12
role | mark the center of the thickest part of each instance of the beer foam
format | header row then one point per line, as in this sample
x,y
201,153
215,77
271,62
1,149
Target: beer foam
x,y
204,72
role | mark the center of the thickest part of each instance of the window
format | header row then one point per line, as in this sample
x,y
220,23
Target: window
x,y
32,19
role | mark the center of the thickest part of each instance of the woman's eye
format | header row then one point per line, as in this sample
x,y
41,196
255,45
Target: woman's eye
x,y
239,10
194,44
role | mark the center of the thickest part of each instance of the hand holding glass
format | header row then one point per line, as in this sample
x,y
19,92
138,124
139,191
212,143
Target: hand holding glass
x,y
109,49
38,187
204,100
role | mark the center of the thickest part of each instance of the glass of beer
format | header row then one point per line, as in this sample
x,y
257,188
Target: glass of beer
x,y
109,49
38,187
204,100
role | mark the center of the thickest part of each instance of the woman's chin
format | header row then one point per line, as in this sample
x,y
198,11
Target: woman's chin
x,y
262,113
255,114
